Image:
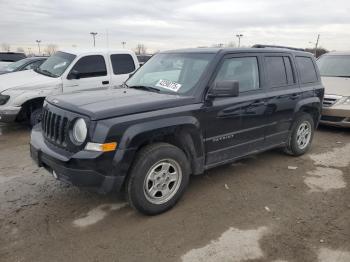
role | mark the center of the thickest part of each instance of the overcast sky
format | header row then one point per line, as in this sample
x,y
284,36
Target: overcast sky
x,y
162,25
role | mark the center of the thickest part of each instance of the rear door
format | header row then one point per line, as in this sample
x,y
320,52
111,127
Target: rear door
x,y
122,66
283,93
235,126
92,72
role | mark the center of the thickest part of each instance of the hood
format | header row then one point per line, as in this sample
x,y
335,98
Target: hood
x,y
116,102
336,85
25,80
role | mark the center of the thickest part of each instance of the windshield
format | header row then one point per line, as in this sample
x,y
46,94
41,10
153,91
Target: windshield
x,y
171,73
334,65
13,66
56,64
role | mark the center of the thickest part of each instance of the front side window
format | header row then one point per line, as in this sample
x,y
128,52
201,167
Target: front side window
x,y
56,64
90,66
242,69
307,70
334,65
122,64
171,73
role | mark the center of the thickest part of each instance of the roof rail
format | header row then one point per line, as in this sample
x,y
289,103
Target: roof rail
x,y
277,46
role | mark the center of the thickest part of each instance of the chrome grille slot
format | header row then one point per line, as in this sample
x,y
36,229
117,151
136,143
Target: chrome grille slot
x,y
330,100
55,127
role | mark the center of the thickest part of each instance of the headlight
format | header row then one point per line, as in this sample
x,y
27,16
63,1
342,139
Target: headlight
x,y
79,131
4,99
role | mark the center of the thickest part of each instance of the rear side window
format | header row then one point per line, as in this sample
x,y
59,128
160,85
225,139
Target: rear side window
x,y
242,69
276,71
122,64
307,70
91,66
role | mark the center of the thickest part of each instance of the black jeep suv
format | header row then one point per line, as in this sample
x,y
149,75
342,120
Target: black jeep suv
x,y
182,113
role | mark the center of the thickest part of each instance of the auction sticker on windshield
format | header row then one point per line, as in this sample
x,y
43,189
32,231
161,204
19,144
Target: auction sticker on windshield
x,y
170,85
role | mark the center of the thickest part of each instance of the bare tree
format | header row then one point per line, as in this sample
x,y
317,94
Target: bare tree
x,y
20,50
140,49
51,49
5,47
231,44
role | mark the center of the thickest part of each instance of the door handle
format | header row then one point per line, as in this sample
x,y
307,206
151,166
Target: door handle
x,y
105,82
295,96
258,103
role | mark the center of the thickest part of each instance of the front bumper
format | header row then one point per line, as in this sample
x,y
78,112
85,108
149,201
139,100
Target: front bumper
x,y
82,169
336,116
9,114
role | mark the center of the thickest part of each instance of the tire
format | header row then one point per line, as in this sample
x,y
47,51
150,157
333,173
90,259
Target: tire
x,y
158,178
299,142
35,117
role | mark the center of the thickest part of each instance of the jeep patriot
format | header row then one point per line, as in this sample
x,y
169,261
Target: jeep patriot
x,y
182,113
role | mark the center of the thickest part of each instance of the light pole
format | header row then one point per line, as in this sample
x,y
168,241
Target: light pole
x,y
94,36
123,44
38,42
316,45
239,36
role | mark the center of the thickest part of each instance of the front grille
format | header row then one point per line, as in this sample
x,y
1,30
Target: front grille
x,y
330,100
332,118
55,128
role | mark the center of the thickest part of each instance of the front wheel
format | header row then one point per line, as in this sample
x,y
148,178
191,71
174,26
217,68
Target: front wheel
x,y
158,178
301,135
35,116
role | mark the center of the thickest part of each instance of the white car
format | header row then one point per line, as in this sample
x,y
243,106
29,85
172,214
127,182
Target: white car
x,y
22,93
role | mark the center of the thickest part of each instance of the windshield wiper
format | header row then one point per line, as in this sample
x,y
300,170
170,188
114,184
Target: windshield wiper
x,y
147,88
44,72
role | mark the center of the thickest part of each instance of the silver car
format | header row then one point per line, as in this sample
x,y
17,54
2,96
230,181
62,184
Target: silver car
x,y
335,72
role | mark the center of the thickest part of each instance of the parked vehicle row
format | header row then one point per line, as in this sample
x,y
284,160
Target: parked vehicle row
x,y
23,64
7,58
22,94
181,113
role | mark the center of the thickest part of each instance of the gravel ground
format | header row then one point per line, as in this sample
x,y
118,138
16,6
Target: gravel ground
x,y
270,207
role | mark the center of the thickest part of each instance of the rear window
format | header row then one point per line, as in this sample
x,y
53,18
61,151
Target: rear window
x,y
307,70
122,64
11,57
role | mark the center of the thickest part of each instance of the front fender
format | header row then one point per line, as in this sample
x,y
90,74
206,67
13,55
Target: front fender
x,y
187,128
136,134
19,96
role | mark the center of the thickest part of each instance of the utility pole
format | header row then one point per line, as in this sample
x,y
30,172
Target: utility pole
x,y
38,42
239,36
316,45
123,44
94,36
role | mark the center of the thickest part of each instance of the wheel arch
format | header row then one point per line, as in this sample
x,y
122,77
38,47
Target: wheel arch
x,y
29,106
312,106
183,132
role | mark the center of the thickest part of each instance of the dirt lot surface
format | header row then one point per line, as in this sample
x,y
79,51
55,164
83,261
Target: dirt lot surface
x,y
269,207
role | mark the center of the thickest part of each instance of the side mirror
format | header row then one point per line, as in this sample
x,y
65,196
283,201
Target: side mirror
x,y
225,88
73,74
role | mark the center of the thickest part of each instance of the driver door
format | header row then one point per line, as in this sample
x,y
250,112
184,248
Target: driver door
x,y
235,126
89,72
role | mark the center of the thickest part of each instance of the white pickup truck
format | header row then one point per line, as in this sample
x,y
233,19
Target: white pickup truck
x,y
22,93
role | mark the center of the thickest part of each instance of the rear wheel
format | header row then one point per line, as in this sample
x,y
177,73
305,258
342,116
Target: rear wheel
x,y
301,135
158,178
